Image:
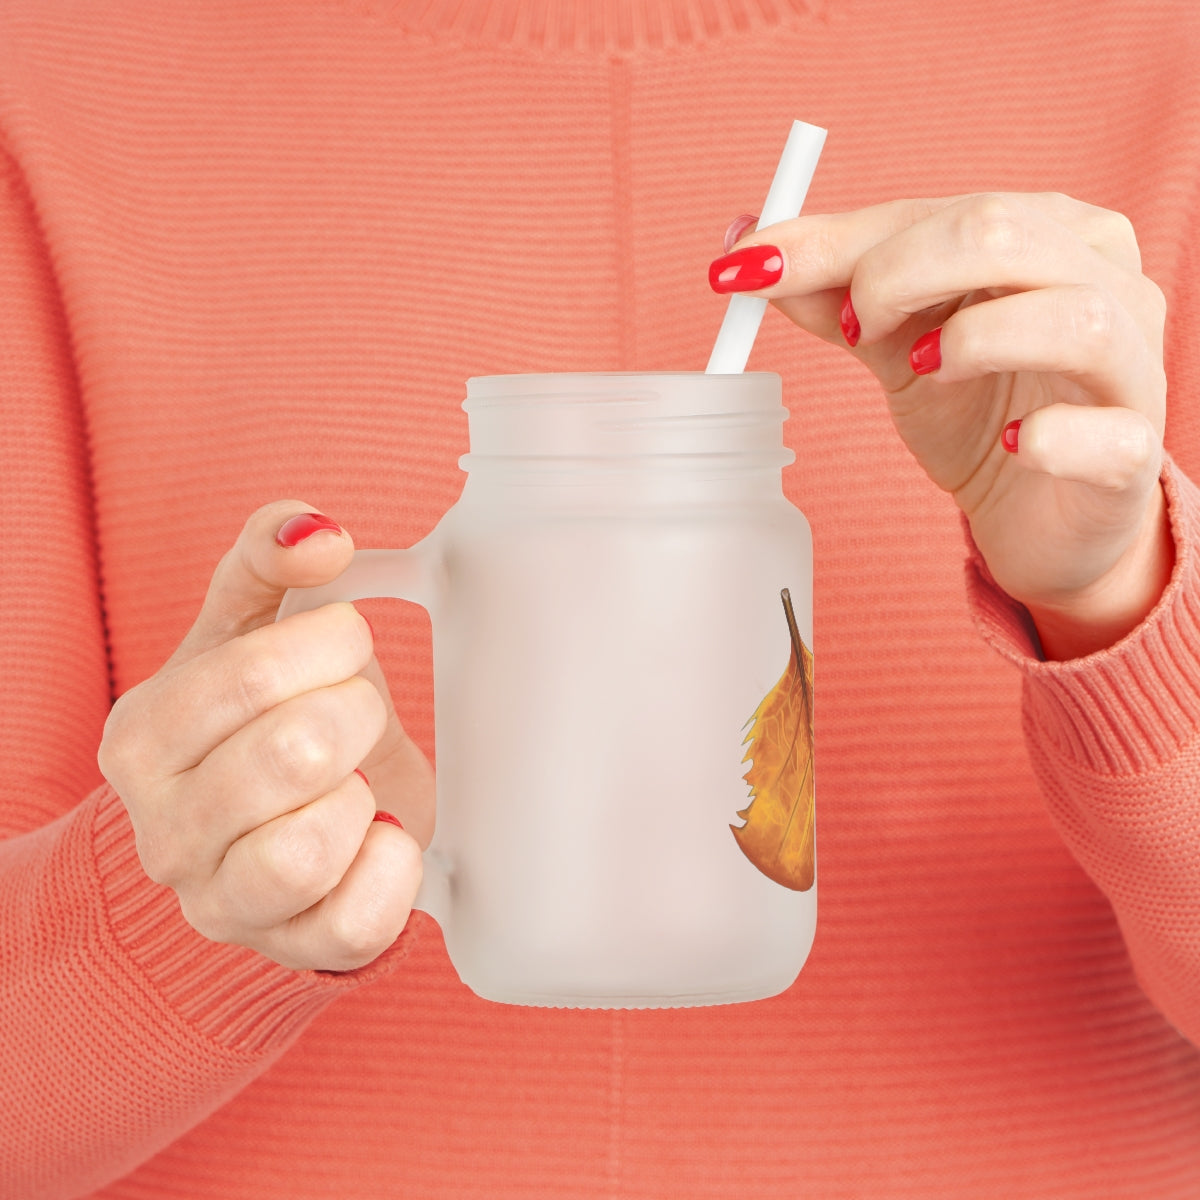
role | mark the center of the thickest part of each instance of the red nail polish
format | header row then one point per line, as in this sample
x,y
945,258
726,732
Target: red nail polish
x,y
851,330
746,270
926,353
362,777
1009,436
737,228
295,529
387,816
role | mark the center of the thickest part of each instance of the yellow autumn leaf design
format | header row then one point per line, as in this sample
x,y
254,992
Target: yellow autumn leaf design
x,y
778,834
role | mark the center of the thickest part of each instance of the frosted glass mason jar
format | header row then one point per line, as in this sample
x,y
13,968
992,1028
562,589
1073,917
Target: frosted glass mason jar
x,y
621,602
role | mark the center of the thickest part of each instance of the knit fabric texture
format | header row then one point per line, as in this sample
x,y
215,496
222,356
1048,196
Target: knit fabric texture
x,y
253,251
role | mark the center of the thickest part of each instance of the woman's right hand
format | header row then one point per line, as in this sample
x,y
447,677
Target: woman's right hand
x,y
237,762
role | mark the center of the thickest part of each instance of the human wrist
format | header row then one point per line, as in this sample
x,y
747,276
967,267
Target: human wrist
x,y
1100,615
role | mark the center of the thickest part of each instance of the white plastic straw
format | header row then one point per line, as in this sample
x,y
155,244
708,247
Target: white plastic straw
x,y
788,189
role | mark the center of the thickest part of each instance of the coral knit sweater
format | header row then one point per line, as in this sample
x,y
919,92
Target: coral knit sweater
x,y
251,251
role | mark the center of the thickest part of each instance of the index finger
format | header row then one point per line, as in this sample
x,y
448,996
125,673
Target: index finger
x,y
190,709
820,251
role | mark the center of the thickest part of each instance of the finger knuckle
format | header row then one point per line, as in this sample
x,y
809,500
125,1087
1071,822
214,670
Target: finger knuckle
x,y
1117,229
360,933
160,855
1056,205
351,632
818,254
112,753
299,751
258,679
992,225
1058,202
916,208
969,342
879,286
121,753
1141,447
1156,300
371,712
1116,476
297,858
1124,450
1090,318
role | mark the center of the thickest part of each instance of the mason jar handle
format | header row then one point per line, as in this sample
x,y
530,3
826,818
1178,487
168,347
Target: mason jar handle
x,y
388,574
396,574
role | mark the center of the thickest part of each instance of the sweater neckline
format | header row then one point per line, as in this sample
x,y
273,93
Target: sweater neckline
x,y
615,26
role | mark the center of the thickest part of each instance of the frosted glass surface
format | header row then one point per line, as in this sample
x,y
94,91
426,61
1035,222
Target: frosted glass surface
x,y
606,607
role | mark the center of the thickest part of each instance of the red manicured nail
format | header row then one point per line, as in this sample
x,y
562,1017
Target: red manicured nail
x,y
295,529
1009,436
926,353
746,270
362,777
387,816
851,330
737,227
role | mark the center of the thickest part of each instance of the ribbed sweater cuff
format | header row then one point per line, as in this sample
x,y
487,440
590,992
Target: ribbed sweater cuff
x,y
1125,709
236,997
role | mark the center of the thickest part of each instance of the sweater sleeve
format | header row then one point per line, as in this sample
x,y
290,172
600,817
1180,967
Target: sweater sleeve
x,y
120,1027
1114,739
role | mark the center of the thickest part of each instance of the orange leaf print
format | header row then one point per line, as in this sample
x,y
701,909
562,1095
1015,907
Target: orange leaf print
x,y
778,834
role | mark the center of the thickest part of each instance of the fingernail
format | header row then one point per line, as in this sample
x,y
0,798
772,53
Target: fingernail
x,y
295,529
737,227
362,777
746,270
1009,436
380,815
851,330
926,353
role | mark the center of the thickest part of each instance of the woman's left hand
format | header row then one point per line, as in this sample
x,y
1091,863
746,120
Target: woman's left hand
x,y
978,312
